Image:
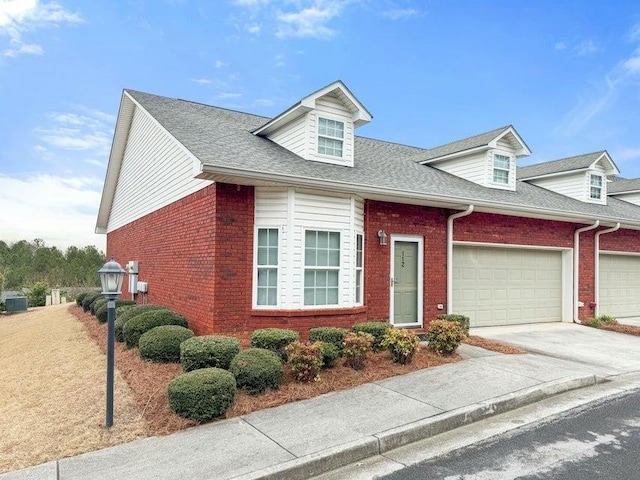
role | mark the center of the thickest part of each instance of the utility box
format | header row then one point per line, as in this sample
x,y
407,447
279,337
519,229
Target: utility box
x,y
142,287
16,304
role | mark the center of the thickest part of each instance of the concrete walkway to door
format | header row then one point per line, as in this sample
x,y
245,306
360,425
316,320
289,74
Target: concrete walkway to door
x,y
606,353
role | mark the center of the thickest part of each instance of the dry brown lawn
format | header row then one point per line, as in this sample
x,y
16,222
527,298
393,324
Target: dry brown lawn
x,y
487,344
621,328
52,391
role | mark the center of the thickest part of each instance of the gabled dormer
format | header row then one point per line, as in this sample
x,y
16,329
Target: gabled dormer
x,y
320,127
583,177
627,189
488,159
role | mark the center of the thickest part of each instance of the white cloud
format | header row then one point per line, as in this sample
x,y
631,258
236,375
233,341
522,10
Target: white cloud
x,y
72,131
264,102
63,213
586,47
310,21
400,13
219,64
254,29
201,81
226,96
634,33
632,64
560,46
20,16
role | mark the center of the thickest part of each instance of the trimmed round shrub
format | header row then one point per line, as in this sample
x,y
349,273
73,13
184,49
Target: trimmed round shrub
x,y
88,299
444,336
102,312
202,394
122,319
144,322
332,335
403,344
377,329
305,359
461,320
123,308
162,344
98,302
208,351
330,354
274,339
257,369
356,347
80,297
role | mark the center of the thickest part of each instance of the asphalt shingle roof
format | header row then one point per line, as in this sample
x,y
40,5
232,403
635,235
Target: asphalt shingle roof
x,y
223,138
620,185
579,162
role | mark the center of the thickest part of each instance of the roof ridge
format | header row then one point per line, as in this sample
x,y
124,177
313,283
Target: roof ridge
x,y
564,158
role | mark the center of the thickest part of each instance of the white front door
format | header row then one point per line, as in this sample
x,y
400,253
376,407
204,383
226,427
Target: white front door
x,y
406,280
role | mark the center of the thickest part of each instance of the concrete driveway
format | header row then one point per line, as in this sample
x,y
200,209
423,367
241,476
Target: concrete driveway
x,y
605,353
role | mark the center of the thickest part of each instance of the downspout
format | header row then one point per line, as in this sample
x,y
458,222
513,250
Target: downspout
x,y
596,269
450,220
576,266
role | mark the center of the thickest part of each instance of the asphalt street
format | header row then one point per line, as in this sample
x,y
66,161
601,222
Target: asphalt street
x,y
598,441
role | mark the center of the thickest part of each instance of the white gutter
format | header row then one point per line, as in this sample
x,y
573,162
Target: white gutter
x,y
576,266
450,220
596,249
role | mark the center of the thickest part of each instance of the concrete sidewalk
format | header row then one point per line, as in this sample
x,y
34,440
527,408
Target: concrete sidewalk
x,y
307,438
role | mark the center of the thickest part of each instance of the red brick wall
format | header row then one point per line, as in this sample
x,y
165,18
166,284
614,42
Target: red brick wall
x,y
174,248
621,240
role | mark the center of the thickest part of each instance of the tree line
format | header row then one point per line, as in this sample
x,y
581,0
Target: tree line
x,y
24,263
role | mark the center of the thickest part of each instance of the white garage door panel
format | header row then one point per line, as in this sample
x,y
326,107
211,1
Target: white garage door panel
x,y
504,286
619,285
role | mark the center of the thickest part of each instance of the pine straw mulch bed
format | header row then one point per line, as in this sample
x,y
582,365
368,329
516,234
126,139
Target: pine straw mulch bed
x,y
487,344
149,380
620,328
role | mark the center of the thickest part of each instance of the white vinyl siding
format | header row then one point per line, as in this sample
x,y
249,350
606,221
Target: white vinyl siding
x,y
293,136
628,197
619,285
470,168
296,211
571,185
504,286
156,171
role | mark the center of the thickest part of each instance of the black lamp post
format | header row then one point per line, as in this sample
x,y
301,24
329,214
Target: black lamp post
x,y
111,276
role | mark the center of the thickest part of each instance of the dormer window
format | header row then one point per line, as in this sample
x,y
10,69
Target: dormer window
x,y
595,187
501,168
330,137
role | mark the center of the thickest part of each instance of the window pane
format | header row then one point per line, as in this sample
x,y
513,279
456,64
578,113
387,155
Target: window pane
x,y
328,146
262,296
309,278
321,279
596,193
273,237
262,236
501,161
323,239
273,278
334,258
332,278
323,258
332,296
272,296
596,181
321,296
263,256
334,240
310,238
500,176
359,286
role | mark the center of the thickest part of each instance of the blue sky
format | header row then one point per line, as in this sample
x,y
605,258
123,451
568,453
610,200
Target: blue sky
x,y
565,74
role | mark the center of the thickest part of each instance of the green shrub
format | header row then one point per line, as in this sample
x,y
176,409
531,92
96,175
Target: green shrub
x,y
461,320
403,344
97,302
305,360
274,339
332,335
144,322
356,347
202,394
330,354
602,319
38,294
257,369
88,299
377,329
122,319
208,351
80,297
123,308
102,312
444,336
162,344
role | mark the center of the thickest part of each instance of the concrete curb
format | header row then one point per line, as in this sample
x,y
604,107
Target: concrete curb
x,y
330,459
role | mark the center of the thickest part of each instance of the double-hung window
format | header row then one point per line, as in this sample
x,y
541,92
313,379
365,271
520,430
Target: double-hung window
x,y
359,268
501,169
321,267
330,137
267,266
595,187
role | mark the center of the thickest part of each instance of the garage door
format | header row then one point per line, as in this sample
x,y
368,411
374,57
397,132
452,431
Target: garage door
x,y
619,285
504,286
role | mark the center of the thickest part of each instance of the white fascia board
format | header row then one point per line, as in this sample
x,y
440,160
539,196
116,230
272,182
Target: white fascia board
x,y
612,168
450,156
415,198
554,174
523,151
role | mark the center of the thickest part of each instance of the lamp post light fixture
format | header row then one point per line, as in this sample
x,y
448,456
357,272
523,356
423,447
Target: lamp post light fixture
x,y
111,276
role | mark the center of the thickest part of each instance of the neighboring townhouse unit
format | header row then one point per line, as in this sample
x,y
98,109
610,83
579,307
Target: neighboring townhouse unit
x,y
240,222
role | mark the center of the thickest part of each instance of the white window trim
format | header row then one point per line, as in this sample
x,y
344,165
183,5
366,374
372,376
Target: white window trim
x,y
508,170
356,269
339,268
341,159
255,305
590,186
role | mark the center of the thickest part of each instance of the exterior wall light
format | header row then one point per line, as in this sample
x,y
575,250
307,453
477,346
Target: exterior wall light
x,y
383,237
111,276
